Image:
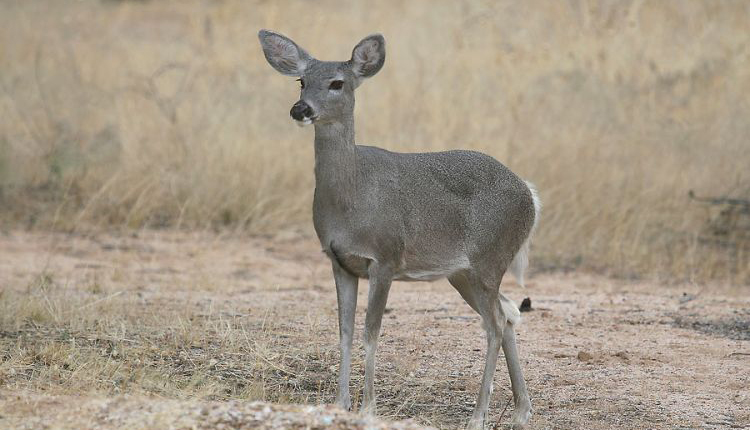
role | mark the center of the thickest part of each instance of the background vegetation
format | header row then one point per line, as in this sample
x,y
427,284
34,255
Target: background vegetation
x,y
133,114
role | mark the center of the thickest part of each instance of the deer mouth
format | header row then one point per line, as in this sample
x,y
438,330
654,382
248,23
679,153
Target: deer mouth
x,y
305,121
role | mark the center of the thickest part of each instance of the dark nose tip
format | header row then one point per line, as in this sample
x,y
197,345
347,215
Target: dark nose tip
x,y
300,110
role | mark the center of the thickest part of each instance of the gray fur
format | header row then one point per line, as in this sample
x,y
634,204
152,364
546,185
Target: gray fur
x,y
386,216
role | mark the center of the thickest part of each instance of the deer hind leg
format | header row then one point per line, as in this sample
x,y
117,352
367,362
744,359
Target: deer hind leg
x,y
522,409
484,299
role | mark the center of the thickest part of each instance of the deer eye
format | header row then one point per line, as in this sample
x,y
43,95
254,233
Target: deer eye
x,y
301,83
336,85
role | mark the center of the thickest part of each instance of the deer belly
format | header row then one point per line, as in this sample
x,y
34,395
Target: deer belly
x,y
431,272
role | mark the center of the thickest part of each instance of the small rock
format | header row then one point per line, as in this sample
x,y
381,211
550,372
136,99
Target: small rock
x,y
624,355
687,298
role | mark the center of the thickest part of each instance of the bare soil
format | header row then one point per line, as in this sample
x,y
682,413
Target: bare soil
x,y
113,330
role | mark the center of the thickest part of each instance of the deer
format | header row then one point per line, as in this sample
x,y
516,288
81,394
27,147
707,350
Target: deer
x,y
385,216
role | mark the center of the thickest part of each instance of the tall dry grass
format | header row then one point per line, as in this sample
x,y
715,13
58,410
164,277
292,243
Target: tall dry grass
x,y
125,113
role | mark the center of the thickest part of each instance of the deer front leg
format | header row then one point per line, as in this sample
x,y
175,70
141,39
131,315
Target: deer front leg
x,y
380,284
346,293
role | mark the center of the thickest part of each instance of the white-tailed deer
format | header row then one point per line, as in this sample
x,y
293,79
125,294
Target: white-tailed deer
x,y
387,216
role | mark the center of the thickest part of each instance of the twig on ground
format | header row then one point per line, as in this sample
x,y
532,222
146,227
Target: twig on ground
x,y
111,296
502,414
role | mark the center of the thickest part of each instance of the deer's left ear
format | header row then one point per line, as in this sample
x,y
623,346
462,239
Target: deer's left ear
x,y
283,54
368,56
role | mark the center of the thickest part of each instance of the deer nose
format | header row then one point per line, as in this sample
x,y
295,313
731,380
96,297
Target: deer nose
x,y
301,110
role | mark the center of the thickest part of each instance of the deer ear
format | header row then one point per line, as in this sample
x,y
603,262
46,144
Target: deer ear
x,y
368,56
283,54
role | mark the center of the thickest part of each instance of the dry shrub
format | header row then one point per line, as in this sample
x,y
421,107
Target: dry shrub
x,y
166,115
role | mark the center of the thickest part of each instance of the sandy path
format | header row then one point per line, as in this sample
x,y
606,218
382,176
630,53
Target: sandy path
x,y
597,353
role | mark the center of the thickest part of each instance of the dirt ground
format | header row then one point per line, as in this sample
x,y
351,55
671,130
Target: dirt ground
x,y
112,330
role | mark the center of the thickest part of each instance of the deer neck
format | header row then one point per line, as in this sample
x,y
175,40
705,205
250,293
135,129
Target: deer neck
x,y
335,163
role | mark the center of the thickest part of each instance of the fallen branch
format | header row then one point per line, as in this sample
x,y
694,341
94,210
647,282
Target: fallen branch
x,y
720,200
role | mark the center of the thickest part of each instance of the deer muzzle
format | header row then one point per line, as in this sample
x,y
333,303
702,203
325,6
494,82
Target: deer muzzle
x,y
302,113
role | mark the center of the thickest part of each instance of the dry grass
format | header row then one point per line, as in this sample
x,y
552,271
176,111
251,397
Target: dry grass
x,y
132,114
82,334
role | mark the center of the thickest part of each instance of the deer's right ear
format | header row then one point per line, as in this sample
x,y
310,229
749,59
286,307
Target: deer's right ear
x,y
368,56
283,54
